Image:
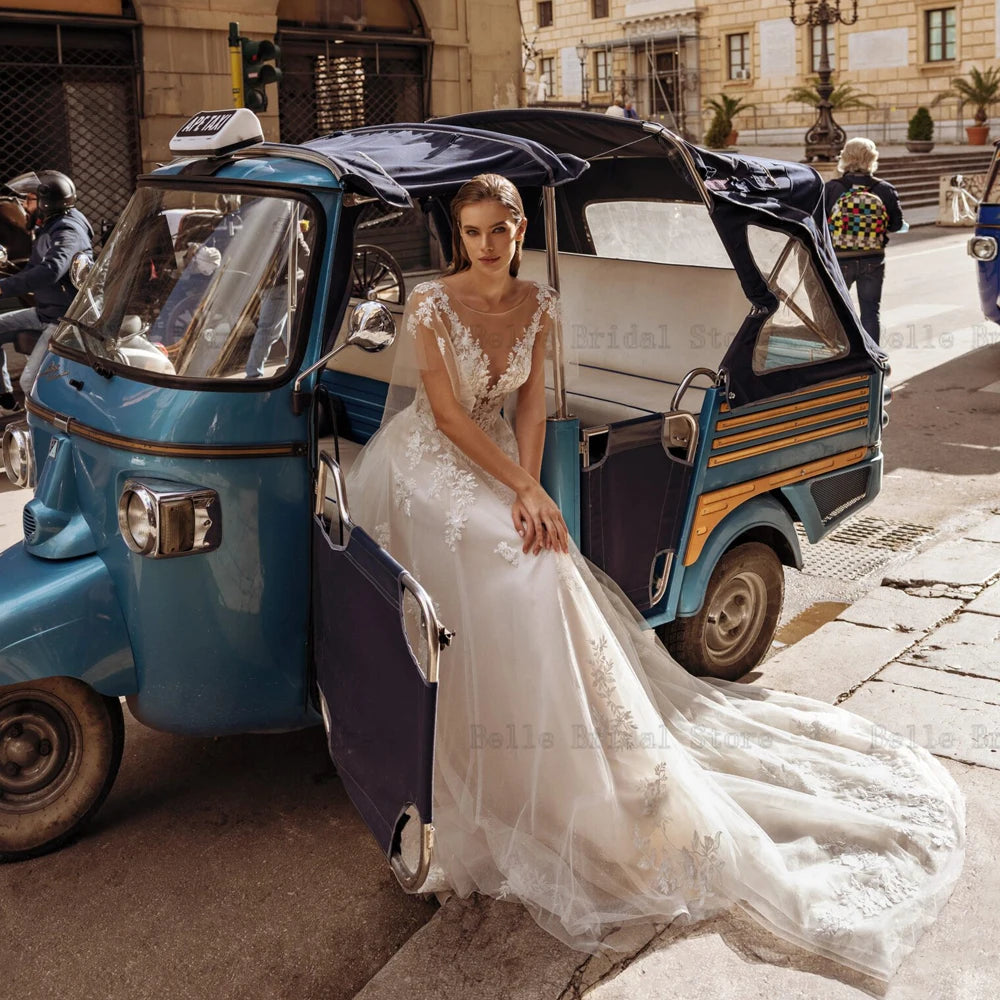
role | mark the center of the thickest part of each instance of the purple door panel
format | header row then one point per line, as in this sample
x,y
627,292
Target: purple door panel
x,y
380,709
632,501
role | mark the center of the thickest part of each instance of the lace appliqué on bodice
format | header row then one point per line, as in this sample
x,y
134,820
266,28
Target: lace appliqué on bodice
x,y
486,393
454,481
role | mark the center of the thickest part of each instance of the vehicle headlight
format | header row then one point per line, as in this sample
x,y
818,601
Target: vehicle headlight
x,y
17,455
982,247
160,519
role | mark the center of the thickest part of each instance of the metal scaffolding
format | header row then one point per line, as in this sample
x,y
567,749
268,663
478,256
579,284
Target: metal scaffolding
x,y
659,72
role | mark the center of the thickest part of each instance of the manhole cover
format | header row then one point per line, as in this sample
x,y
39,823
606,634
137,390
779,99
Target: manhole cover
x,y
860,547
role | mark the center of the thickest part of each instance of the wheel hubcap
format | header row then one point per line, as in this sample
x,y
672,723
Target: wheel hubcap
x,y
735,618
38,737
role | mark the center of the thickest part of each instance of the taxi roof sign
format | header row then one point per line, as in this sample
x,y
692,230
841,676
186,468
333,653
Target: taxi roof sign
x,y
215,133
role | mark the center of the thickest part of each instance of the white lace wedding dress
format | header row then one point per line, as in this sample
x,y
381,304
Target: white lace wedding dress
x,y
582,771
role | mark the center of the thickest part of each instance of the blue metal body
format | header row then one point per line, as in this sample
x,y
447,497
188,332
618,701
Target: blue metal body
x,y
63,619
205,644
988,271
561,470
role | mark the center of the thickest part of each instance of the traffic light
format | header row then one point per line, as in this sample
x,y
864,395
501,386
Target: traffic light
x,y
258,71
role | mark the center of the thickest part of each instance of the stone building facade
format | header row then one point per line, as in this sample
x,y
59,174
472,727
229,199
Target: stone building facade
x,y
99,89
672,55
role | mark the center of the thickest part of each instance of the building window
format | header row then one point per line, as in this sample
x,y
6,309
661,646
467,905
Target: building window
x,y
545,14
816,44
940,34
739,55
600,8
547,86
602,70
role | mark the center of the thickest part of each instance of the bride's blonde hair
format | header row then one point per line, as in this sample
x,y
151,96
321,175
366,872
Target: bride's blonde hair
x,y
483,187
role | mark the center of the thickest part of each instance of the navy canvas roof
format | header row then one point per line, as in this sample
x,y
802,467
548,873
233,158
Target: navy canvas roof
x,y
741,190
400,162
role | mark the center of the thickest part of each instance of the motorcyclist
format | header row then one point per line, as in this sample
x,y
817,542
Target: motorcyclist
x,y
62,231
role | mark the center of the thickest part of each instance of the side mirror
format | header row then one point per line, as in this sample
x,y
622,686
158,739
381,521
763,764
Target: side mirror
x,y
372,328
79,267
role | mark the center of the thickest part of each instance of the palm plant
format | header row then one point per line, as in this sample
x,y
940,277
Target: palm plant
x,y
980,88
724,109
728,107
844,96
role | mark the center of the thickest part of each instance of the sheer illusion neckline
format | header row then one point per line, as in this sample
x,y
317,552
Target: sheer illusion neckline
x,y
485,312
493,378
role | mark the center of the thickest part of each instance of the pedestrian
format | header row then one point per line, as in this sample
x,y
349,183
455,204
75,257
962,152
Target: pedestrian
x,y
615,110
861,212
630,111
49,198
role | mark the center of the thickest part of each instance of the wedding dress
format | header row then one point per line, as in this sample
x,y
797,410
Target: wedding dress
x,y
581,770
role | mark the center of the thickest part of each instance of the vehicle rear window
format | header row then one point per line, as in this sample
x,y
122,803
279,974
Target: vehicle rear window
x,y
662,232
805,329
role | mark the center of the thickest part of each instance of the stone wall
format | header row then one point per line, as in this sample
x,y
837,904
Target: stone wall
x,y
475,62
884,54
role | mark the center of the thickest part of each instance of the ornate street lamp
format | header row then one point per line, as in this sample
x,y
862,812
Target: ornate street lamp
x,y
581,54
825,139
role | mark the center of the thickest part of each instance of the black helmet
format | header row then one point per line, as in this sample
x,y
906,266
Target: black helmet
x,y
56,193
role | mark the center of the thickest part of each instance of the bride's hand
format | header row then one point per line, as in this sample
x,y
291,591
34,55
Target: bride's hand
x,y
539,521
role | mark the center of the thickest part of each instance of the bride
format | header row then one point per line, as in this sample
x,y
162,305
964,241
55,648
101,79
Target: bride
x,y
578,768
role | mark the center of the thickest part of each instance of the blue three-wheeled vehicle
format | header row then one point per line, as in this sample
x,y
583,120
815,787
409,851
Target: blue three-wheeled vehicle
x,y
189,546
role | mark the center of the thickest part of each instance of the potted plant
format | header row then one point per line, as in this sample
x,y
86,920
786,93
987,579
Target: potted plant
x,y
725,108
981,89
920,132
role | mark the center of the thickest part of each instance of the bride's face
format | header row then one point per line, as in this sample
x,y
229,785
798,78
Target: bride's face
x,y
490,236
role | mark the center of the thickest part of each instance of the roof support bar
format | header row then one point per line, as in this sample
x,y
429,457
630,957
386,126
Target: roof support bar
x,y
552,260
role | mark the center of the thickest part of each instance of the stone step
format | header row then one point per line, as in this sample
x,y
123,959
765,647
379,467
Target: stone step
x,y
917,177
897,167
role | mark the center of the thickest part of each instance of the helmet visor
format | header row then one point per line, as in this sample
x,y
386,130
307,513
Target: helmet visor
x,y
24,184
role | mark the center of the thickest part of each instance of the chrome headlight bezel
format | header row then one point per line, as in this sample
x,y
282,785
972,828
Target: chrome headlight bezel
x,y
18,457
162,520
982,248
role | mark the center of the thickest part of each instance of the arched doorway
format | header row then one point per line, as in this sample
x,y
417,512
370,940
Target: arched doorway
x,y
347,63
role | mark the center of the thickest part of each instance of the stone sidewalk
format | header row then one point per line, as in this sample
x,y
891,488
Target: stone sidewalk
x,y
918,656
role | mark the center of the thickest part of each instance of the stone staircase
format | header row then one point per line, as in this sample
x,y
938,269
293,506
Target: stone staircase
x,y
916,177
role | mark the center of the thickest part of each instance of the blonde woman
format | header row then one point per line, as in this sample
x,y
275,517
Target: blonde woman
x,y
862,210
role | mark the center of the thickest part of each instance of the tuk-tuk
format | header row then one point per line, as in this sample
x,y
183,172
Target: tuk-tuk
x,y
189,547
982,247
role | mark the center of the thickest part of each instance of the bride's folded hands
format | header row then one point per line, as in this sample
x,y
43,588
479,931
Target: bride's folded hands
x,y
539,521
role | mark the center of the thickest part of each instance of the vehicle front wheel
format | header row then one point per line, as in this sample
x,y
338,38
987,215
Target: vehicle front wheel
x,y
60,748
736,623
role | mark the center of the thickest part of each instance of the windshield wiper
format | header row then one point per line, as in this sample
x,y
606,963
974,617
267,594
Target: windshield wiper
x,y
90,331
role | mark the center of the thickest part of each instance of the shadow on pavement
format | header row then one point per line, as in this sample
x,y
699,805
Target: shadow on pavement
x,y
942,421
225,868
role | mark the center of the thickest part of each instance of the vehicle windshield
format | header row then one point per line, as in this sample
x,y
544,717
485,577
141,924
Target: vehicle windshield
x,y
197,284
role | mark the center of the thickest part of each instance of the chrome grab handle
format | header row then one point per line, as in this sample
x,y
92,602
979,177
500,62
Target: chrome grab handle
x,y
410,879
435,633
327,464
687,380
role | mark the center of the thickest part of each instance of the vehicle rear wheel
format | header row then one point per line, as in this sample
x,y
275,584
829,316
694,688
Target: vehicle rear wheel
x,y
377,276
60,748
736,624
